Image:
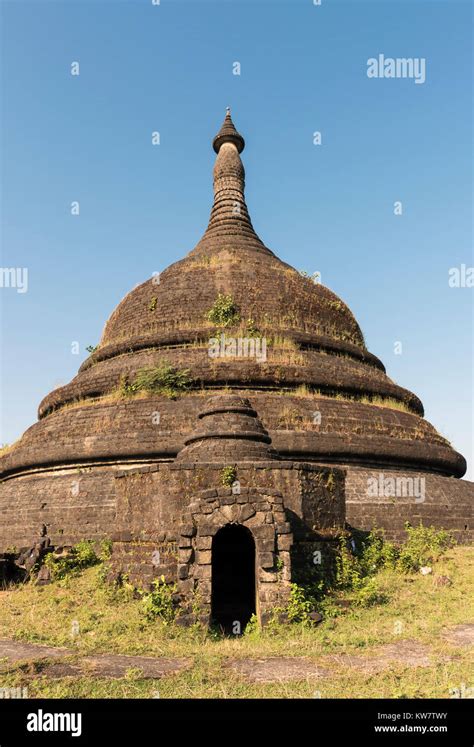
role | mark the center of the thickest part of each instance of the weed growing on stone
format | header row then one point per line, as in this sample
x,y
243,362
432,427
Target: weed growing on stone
x,y
79,557
224,312
163,379
228,476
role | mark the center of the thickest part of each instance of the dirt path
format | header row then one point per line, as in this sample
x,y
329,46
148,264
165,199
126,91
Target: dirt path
x,y
58,662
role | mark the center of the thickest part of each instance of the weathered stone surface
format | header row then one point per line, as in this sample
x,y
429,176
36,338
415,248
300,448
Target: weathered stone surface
x,y
116,666
277,669
185,555
44,576
204,543
264,532
15,652
204,557
285,542
187,530
404,653
246,512
266,559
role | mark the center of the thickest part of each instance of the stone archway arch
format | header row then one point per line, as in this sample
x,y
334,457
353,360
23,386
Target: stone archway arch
x,y
262,512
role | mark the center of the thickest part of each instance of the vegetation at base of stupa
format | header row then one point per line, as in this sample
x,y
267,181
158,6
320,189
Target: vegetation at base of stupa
x,y
114,619
163,379
224,312
159,601
81,556
355,568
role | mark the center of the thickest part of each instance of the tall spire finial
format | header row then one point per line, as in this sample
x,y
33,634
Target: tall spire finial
x,y
230,222
228,134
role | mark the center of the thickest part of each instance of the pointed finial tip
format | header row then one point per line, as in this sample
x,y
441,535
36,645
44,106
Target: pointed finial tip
x,y
228,134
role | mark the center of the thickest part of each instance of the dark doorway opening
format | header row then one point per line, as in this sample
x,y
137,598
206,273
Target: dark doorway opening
x,y
233,578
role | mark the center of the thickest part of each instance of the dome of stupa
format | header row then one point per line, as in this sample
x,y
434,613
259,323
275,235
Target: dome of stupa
x,y
320,394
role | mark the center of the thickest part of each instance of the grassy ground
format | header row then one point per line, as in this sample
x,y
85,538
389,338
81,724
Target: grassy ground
x,y
112,621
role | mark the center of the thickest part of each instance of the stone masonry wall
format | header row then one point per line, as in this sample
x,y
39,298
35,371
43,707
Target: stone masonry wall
x,y
447,503
74,504
167,515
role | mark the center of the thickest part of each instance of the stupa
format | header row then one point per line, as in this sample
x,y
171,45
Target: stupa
x,y
230,414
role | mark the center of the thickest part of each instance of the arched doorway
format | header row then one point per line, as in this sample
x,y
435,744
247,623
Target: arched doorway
x,y
233,578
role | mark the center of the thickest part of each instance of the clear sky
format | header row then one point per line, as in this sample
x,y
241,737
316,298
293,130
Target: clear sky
x,y
169,68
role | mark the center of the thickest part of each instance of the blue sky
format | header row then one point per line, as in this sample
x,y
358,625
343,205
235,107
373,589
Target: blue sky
x,y
169,68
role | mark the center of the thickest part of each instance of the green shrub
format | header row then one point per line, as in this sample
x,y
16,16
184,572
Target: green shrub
x,y
348,568
299,604
424,545
252,629
377,553
224,312
159,601
251,329
106,547
356,568
228,476
79,557
163,379
368,594
125,388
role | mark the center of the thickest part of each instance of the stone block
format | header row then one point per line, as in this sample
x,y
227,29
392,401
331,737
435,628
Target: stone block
x,y
266,559
263,506
267,577
202,571
207,529
204,543
285,542
186,586
230,513
246,512
204,557
266,545
187,530
185,555
208,494
264,532
204,590
227,500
